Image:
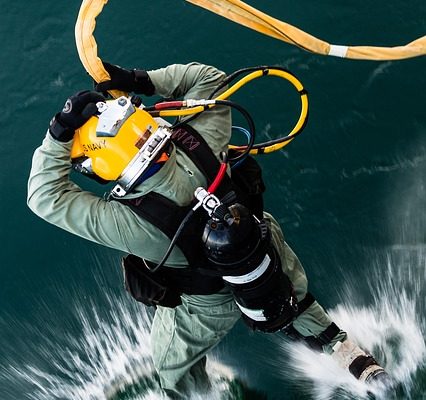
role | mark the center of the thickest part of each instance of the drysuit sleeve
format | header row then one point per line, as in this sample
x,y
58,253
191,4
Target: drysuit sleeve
x,y
197,81
56,199
61,202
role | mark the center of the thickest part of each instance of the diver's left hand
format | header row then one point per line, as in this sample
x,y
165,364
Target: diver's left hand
x,y
136,80
76,112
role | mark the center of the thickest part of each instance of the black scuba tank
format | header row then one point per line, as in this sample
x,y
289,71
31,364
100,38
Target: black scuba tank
x,y
239,249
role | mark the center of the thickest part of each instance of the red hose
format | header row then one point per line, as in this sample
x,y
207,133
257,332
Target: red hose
x,y
222,171
168,104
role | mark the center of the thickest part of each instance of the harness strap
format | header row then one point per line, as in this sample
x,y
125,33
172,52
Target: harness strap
x,y
186,138
189,281
159,211
327,336
174,281
167,216
304,304
314,342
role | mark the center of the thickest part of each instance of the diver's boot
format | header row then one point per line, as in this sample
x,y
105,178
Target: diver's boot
x,y
360,364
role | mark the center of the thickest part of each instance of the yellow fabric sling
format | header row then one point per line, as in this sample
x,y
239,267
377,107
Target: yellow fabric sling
x,y
86,43
248,16
242,13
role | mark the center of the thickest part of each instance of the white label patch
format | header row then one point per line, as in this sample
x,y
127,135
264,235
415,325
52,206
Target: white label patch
x,y
252,276
338,51
255,315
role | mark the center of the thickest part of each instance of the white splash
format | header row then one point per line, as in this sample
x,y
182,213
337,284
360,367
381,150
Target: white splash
x,y
111,355
392,328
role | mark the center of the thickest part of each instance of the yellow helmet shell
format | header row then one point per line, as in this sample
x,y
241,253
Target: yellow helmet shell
x,y
112,140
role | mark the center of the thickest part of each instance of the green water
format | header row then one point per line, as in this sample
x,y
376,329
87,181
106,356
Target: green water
x,y
349,192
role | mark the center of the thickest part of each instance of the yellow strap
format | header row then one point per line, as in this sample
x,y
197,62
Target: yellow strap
x,y
242,13
86,43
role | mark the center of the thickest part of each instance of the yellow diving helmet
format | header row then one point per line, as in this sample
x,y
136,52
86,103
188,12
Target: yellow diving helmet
x,y
118,144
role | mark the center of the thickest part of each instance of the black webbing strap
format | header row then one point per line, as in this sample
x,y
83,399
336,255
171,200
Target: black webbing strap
x,y
304,304
189,281
159,211
167,216
196,148
326,336
314,342
165,286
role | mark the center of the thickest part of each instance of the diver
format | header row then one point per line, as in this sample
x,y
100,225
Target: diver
x,y
159,177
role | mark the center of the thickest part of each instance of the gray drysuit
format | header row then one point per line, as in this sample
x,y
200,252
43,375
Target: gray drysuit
x,y
182,336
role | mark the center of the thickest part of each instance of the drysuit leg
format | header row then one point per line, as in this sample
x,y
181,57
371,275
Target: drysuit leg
x,y
312,324
316,328
182,336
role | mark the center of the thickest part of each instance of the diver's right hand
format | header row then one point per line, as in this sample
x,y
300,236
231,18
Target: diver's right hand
x,y
136,80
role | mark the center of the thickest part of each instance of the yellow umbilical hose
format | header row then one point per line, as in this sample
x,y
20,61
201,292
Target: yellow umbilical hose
x,y
269,71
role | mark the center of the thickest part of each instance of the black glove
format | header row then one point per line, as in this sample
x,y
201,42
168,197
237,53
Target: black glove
x,y
76,112
137,80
